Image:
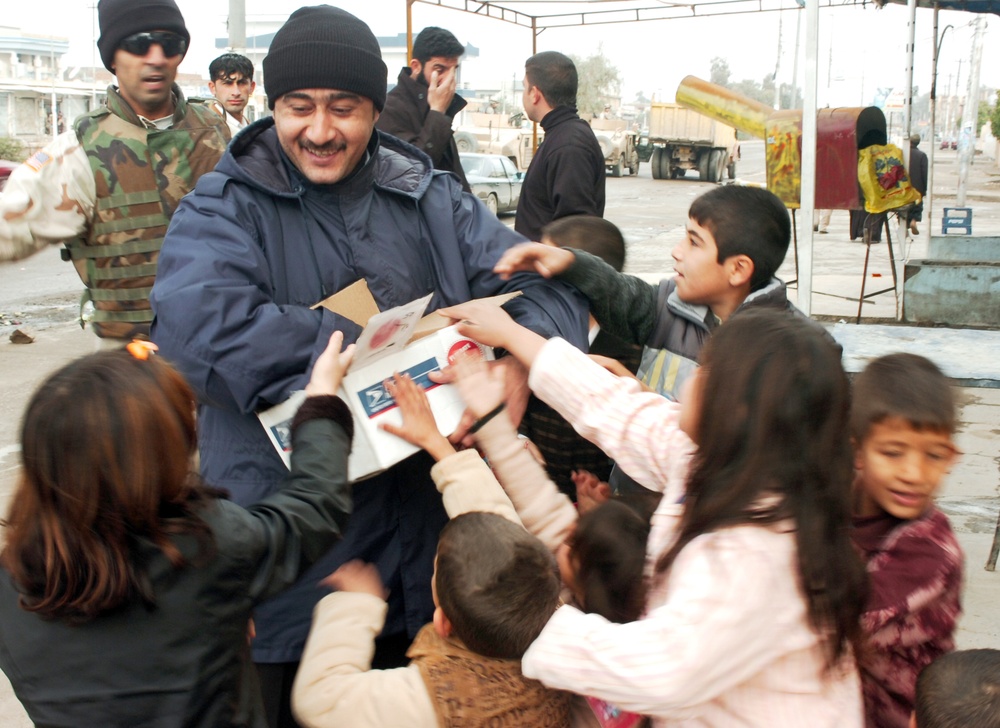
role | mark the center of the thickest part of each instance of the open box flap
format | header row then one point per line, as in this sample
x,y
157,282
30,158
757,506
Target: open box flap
x,y
354,302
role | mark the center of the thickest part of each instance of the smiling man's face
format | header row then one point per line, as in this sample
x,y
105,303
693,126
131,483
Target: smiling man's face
x,y
324,131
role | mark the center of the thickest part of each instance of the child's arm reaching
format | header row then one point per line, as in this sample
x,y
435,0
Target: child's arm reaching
x,y
335,684
419,426
623,305
637,429
465,482
544,511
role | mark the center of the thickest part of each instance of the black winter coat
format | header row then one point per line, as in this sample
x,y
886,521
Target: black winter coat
x,y
566,176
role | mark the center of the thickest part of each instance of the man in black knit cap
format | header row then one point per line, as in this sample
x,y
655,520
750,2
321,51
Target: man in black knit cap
x,y
302,205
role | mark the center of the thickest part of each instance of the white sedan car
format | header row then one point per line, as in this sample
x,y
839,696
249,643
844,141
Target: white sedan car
x,y
494,179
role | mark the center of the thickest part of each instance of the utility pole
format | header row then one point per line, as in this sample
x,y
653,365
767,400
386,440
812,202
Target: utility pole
x,y
237,26
908,95
947,116
794,103
53,104
777,65
970,114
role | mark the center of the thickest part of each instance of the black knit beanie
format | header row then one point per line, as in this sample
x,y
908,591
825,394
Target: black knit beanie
x,y
325,47
119,19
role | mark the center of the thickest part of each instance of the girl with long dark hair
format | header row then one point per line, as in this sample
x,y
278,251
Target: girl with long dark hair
x,y
755,590
127,585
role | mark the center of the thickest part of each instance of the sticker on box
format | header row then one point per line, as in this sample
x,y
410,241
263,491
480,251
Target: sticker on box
x,y
376,398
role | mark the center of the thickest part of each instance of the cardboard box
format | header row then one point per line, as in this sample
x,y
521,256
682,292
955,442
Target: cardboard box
x,y
398,340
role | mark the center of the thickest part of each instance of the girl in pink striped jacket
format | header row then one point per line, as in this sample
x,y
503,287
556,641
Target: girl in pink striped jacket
x,y
755,590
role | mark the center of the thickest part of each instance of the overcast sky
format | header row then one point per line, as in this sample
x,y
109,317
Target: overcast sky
x,y
867,43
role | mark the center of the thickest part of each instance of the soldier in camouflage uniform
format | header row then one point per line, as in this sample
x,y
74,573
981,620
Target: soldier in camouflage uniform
x,y
108,187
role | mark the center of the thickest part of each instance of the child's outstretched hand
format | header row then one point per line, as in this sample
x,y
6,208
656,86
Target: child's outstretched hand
x,y
419,427
590,491
481,386
330,367
487,323
357,577
545,260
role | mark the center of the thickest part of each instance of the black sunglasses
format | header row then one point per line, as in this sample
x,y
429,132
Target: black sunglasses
x,y
139,44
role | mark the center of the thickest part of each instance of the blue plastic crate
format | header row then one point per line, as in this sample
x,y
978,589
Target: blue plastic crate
x,y
957,220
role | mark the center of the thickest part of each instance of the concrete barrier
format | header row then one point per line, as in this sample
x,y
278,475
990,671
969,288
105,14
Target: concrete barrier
x,y
963,247
952,292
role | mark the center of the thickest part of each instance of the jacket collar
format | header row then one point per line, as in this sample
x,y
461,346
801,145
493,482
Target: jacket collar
x,y
557,116
773,293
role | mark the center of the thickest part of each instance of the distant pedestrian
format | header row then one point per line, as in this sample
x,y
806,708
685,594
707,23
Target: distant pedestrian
x,y
566,176
918,178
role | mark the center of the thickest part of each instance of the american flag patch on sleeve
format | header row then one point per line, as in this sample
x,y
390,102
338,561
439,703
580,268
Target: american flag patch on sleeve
x,y
37,160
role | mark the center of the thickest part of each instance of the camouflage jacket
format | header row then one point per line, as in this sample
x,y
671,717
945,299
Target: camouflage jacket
x,y
107,190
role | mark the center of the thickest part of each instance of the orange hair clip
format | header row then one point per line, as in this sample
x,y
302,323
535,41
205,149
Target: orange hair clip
x,y
141,349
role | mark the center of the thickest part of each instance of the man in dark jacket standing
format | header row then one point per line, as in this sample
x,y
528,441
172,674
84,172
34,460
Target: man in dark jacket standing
x,y
422,106
566,176
918,178
302,205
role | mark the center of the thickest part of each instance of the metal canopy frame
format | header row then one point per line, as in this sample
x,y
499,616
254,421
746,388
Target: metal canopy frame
x,y
541,15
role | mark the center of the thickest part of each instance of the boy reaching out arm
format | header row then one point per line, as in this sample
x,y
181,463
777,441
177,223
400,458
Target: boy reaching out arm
x,y
736,240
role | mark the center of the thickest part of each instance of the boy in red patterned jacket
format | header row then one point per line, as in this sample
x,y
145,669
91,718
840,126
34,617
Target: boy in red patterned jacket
x,y
902,423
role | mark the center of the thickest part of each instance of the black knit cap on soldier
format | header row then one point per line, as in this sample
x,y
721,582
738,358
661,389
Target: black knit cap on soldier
x,y
118,19
325,47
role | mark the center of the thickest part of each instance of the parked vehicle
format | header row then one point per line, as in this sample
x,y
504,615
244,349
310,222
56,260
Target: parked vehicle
x,y
680,139
6,167
510,136
494,180
618,144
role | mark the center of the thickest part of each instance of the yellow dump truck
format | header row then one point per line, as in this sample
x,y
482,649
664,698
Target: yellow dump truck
x,y
680,139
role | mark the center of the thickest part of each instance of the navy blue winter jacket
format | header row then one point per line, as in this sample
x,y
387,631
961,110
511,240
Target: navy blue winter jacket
x,y
246,255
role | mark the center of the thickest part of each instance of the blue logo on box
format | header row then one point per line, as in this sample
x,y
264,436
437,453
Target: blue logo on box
x,y
376,398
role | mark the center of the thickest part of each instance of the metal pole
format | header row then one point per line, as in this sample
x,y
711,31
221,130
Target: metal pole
x,y
911,26
93,58
52,111
409,31
807,199
534,50
970,114
929,197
